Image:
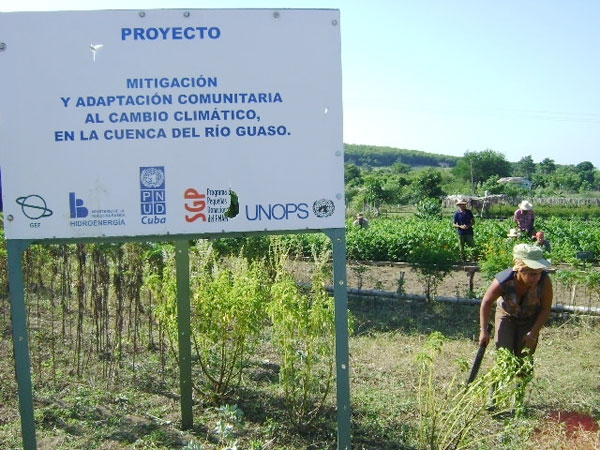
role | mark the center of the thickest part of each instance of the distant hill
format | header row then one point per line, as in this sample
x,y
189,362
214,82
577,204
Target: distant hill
x,y
373,156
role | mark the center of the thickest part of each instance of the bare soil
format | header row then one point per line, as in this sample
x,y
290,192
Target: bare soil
x,y
464,282
391,276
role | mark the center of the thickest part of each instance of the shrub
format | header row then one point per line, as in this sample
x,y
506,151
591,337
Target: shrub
x,y
303,333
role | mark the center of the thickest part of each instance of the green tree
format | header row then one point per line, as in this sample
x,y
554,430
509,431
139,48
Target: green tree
x,y
479,166
427,184
351,173
597,180
541,180
492,186
400,168
565,178
375,195
394,188
526,166
547,166
586,171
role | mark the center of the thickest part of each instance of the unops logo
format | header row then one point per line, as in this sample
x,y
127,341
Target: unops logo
x,y
152,195
277,211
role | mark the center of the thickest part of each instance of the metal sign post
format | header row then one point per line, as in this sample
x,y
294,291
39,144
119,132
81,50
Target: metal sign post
x,y
340,292
15,249
182,261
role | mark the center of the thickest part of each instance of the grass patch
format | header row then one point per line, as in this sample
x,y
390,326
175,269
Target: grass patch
x,y
140,408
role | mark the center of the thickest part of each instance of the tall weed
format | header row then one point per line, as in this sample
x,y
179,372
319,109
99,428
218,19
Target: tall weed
x,y
303,333
452,414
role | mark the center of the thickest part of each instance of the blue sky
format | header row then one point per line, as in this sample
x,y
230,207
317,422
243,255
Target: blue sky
x,y
518,76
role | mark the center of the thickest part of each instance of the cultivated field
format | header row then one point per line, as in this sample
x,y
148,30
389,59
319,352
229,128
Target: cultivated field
x,y
126,394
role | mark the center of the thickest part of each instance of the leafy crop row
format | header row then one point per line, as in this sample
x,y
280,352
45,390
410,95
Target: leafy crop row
x,y
400,239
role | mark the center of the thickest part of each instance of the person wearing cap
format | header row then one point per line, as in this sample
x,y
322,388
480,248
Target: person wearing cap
x,y
525,217
525,296
541,242
463,222
361,221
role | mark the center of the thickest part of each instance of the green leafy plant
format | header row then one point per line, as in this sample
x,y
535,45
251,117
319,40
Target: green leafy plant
x,y
229,423
303,333
433,260
429,208
359,270
497,256
509,379
449,416
229,315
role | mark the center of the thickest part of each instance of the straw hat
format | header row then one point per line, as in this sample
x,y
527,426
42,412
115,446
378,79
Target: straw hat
x,y
513,233
461,201
525,205
531,255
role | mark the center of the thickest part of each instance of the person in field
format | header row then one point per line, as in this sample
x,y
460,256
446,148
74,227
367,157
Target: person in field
x,y
513,235
463,222
361,221
523,296
525,217
542,242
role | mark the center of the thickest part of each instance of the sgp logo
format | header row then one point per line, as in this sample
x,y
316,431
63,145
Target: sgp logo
x,y
196,204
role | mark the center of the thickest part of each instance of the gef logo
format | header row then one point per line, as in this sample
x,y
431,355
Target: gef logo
x,y
195,202
76,207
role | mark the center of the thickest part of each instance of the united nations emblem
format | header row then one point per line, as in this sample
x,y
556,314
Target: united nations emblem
x,y
323,207
152,177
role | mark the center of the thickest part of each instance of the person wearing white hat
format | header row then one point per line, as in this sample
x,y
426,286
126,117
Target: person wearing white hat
x,y
525,217
513,233
525,297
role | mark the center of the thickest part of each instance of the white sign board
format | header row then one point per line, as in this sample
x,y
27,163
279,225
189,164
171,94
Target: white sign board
x,y
131,123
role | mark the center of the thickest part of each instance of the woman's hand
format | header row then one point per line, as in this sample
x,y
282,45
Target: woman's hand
x,y
484,337
530,339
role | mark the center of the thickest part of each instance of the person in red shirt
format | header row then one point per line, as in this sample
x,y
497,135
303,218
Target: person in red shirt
x,y
525,217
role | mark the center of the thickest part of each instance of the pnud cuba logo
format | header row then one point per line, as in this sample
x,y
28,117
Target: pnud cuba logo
x,y
153,195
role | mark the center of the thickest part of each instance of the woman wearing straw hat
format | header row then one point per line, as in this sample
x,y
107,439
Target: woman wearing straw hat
x,y
525,217
525,299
